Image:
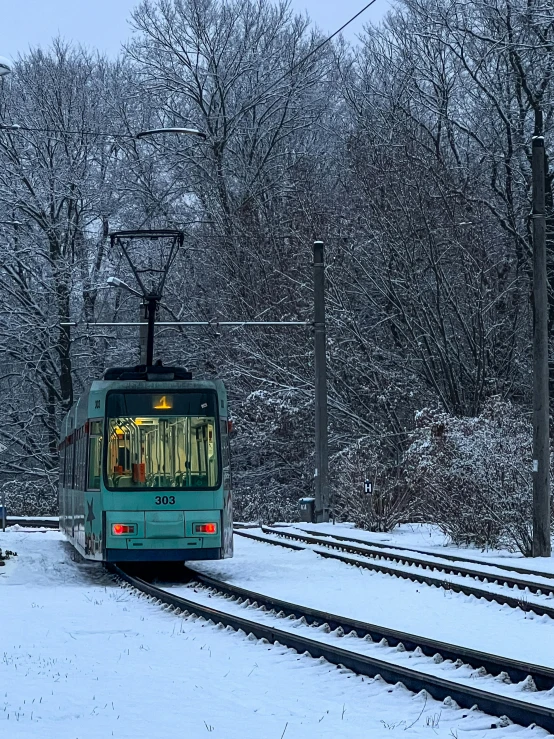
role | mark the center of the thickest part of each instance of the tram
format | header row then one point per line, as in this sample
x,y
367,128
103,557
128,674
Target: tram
x,y
145,468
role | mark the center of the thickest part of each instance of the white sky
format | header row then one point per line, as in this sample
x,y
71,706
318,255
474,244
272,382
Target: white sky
x,y
102,24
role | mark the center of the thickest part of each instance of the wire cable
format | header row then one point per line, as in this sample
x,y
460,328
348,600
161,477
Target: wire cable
x,y
17,127
320,45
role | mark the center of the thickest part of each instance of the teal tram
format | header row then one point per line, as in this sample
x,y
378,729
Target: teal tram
x,y
145,468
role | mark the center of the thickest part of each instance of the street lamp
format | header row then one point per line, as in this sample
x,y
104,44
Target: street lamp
x,y
116,282
186,131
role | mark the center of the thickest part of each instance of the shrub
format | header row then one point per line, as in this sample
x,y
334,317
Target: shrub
x,y
390,501
472,476
26,497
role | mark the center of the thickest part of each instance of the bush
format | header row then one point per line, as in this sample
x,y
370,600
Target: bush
x,y
390,501
472,476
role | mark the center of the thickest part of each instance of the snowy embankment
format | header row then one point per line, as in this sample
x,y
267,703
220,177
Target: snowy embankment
x,y
83,658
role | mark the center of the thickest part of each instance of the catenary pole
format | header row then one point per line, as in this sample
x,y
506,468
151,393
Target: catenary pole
x,y
321,473
541,439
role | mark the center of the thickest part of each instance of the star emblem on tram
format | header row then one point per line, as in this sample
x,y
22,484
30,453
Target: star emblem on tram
x,y
90,514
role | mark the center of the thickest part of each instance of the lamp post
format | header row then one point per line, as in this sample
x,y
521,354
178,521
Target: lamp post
x,y
322,502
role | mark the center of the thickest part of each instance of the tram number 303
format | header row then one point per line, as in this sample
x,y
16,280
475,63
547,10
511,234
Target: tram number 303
x,y
165,500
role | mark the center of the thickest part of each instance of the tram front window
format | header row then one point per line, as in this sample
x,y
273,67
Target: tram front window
x,y
162,440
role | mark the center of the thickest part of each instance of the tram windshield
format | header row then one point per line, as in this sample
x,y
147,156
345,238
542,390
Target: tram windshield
x,y
162,440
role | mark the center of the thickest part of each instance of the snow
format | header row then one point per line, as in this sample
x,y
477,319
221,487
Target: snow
x,y
84,658
306,578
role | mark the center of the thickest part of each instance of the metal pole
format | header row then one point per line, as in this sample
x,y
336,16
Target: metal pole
x,y
151,309
3,511
541,441
321,474
214,324
143,332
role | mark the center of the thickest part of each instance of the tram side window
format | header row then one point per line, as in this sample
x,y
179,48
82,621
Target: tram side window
x,y
95,455
62,463
79,461
69,466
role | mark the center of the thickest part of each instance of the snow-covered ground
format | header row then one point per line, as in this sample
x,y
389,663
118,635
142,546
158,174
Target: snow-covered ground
x,y
303,577
433,570
83,658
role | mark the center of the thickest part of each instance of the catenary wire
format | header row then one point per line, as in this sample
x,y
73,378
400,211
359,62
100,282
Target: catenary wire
x,y
32,129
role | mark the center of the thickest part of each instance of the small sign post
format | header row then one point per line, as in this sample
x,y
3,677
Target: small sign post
x,y
368,487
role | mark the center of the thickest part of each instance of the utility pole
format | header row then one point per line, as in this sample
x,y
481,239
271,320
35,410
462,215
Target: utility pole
x,y
321,446
541,438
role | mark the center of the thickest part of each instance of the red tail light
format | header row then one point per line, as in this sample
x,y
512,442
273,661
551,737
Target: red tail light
x,y
123,528
205,528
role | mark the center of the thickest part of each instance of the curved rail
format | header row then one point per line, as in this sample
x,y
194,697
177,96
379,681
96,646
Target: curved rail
x,y
415,680
512,601
449,557
368,551
517,671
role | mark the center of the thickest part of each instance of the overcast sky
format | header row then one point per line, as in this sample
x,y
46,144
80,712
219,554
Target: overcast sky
x,y
102,24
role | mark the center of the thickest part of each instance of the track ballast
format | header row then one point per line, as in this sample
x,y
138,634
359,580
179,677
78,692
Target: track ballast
x,y
466,696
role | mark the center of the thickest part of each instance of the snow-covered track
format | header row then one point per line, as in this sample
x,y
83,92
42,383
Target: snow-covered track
x,y
543,677
276,536
466,696
368,550
434,555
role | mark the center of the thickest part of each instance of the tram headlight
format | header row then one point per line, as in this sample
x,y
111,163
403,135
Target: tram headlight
x,y
205,528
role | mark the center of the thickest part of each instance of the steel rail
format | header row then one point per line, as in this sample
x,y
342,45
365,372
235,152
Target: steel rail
x,y
367,551
517,671
449,557
465,696
488,595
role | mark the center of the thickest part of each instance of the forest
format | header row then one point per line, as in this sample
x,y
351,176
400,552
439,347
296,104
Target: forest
x,y
408,153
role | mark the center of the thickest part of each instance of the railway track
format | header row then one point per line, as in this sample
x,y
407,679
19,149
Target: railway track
x,y
295,541
35,523
316,633
433,555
